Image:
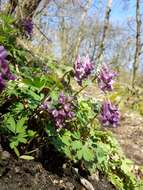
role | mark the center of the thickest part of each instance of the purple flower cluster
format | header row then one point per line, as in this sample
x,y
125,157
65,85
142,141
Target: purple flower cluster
x,y
63,112
28,25
82,68
106,79
110,115
5,73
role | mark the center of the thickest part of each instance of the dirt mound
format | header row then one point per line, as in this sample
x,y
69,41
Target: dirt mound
x,y
130,136
31,175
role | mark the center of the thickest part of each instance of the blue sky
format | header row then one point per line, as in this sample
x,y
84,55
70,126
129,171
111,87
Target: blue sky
x,y
121,9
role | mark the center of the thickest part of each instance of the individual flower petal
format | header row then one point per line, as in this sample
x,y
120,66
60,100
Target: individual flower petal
x,y
3,53
62,98
55,113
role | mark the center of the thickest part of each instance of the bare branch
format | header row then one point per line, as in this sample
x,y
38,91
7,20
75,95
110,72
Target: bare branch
x,y
105,29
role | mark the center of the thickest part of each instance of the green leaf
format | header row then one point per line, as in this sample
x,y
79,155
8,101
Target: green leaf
x,y
79,154
36,82
11,125
88,154
101,153
20,128
67,152
13,144
18,107
76,135
31,133
76,145
16,151
26,157
22,140
54,94
34,95
116,181
66,138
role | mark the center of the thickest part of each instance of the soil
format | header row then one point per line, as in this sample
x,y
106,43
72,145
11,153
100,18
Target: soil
x,y
130,136
32,175
24,175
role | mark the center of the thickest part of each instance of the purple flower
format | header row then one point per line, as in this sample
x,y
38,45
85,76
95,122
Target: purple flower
x,y
62,98
28,25
5,73
10,76
106,79
3,53
67,107
70,114
82,68
55,113
45,105
110,115
63,111
2,83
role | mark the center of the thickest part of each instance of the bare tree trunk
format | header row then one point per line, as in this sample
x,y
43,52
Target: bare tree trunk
x,y
63,40
105,29
138,43
79,35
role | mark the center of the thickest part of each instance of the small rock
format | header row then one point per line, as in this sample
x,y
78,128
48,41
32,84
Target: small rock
x,y
94,176
17,170
69,186
55,181
61,181
5,155
86,184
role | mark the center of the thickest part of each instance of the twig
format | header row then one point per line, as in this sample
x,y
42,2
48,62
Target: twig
x,y
42,33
